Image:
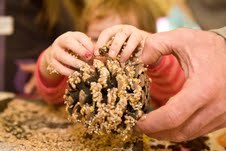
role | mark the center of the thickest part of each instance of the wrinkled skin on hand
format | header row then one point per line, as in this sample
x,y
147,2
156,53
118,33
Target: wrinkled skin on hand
x,y
200,107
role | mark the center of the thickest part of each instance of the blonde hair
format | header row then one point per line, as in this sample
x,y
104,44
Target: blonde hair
x,y
50,12
146,12
165,5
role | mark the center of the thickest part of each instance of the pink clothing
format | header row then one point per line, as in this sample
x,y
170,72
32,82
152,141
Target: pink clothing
x,y
167,79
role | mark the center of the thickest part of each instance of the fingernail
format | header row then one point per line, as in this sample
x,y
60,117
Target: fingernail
x,y
143,118
112,53
88,55
96,52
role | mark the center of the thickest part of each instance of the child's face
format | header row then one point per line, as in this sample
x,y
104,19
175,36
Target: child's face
x,y
96,26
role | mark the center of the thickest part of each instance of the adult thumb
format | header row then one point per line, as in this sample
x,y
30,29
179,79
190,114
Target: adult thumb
x,y
160,44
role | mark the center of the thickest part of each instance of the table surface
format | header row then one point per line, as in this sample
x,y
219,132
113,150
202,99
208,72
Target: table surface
x,y
34,125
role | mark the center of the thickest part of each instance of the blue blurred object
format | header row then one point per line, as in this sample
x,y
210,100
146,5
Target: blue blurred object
x,y
177,19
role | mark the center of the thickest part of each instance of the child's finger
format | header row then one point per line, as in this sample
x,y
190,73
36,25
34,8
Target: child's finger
x,y
30,85
63,70
119,39
69,60
84,40
77,48
28,67
105,36
69,41
133,42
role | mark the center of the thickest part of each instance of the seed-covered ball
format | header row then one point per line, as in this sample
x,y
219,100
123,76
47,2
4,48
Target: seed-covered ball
x,y
108,97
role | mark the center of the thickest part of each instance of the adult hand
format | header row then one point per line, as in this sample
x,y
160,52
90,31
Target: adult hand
x,y
200,107
121,33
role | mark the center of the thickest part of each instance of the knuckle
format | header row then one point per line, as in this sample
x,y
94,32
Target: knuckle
x,y
190,34
63,40
105,32
173,119
115,45
131,27
80,34
152,43
66,35
121,34
138,37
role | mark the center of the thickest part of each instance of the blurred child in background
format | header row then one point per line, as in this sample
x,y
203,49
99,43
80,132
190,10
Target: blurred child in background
x,y
36,25
167,76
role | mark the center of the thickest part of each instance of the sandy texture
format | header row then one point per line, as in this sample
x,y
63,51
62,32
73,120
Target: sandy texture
x,y
32,125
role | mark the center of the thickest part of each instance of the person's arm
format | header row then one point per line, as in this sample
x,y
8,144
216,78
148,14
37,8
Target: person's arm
x,y
167,79
202,56
221,31
52,94
68,52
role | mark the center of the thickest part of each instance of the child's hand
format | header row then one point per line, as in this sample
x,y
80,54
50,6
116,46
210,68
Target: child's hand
x,y
68,51
121,33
